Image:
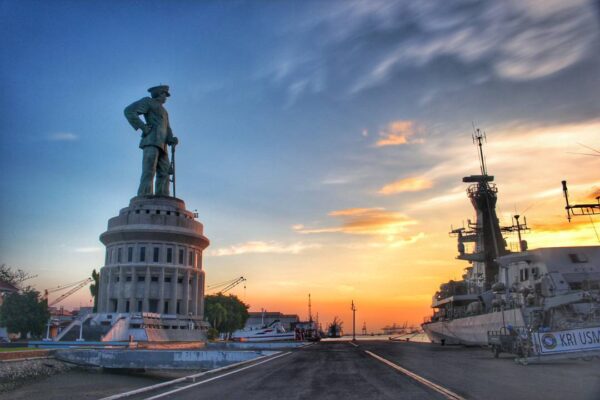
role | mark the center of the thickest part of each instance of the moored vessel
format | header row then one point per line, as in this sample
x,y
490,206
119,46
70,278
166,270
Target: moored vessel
x,y
548,298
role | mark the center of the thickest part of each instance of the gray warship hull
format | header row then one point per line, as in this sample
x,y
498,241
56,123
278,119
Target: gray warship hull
x,y
471,330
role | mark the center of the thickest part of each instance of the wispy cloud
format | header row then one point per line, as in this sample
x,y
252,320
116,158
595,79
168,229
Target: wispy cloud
x,y
398,133
63,137
412,184
594,193
90,249
389,242
261,247
513,40
365,221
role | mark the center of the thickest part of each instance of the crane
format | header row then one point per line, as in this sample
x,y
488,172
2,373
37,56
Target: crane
x,y
75,286
227,285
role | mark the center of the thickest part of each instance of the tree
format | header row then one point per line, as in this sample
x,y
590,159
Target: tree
x,y
226,313
15,278
24,313
94,288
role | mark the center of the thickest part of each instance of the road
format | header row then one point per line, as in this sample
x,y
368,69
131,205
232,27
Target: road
x,y
475,374
343,370
335,370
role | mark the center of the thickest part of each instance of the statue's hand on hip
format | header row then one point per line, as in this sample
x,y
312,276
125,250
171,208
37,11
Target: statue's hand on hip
x,y
146,130
174,141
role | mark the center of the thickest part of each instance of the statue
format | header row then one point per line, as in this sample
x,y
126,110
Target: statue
x,y
156,136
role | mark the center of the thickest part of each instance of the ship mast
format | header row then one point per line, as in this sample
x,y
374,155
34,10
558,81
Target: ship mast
x,y
489,243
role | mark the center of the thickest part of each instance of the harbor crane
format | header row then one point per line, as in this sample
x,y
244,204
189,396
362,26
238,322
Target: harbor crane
x,y
227,285
75,286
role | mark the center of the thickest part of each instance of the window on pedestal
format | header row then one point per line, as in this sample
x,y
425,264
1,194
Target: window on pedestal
x,y
127,306
130,254
191,258
156,254
142,254
153,305
169,255
119,254
166,307
140,306
167,279
178,306
197,260
181,255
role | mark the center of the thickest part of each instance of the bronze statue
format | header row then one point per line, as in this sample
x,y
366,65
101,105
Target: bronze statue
x,y
156,136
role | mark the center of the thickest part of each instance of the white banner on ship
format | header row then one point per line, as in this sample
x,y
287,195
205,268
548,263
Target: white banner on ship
x,y
569,341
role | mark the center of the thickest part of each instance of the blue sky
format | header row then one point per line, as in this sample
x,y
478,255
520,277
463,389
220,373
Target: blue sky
x,y
289,113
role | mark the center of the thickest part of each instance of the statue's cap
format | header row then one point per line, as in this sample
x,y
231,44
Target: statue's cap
x,y
158,89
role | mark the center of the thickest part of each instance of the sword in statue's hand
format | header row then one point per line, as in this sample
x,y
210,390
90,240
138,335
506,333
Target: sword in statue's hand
x,y
172,166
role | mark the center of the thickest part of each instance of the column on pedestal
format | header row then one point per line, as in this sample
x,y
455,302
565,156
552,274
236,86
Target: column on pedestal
x,y
185,299
173,301
195,293
132,289
201,294
121,293
147,280
161,292
109,271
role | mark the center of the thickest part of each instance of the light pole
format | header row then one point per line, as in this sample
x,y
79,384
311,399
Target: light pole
x,y
353,308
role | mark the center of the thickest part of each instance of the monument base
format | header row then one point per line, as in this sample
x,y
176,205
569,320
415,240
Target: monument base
x,y
135,327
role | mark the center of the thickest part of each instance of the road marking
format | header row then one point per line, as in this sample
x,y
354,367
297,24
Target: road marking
x,y
440,389
178,380
158,396
353,344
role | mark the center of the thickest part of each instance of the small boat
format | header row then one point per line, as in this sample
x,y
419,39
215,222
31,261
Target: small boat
x,y
334,330
263,333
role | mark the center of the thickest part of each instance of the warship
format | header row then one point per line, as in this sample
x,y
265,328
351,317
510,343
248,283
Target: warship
x,y
549,298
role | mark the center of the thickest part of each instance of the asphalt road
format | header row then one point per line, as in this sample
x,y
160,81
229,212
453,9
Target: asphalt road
x,y
341,370
475,374
335,370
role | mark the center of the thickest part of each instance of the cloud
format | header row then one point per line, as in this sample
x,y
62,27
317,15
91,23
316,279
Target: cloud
x,y
263,248
594,194
366,221
362,44
562,225
63,137
345,288
413,184
390,242
88,249
398,133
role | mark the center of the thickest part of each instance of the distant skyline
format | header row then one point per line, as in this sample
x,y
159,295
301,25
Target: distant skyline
x,y
321,143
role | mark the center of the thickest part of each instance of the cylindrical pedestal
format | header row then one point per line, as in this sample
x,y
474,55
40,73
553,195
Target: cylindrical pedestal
x,y
153,260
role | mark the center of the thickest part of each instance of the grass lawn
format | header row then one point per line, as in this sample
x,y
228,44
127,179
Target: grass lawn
x,y
7,349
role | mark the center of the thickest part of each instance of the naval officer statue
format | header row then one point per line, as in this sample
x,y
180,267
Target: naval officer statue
x,y
156,136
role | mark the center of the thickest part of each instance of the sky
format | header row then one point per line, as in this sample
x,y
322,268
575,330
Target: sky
x,y
322,143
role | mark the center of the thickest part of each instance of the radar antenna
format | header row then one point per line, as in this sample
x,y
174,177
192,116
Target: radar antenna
x,y
479,137
579,209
